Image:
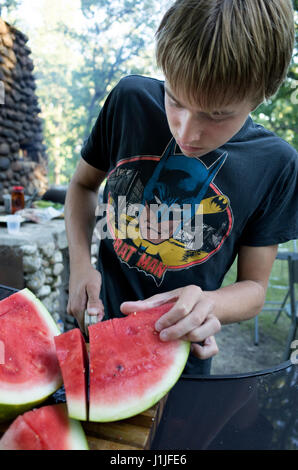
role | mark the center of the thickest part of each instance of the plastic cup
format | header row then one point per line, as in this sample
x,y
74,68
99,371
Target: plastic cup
x,y
13,224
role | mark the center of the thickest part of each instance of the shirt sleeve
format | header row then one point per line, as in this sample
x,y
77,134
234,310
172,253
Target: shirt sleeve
x,y
276,219
96,149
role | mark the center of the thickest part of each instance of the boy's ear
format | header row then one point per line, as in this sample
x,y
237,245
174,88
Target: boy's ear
x,y
255,107
255,104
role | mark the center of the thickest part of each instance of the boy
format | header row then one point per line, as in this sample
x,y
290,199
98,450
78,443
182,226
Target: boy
x,y
185,153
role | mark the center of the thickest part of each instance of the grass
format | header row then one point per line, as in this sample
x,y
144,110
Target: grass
x,y
277,289
238,352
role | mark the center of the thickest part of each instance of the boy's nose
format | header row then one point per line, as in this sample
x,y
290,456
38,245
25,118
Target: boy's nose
x,y
190,130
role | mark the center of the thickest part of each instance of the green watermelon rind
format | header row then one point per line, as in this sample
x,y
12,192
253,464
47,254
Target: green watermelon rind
x,y
9,412
105,413
78,440
13,404
77,409
42,309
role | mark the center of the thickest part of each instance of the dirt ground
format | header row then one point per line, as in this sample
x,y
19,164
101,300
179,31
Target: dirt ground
x,y
238,352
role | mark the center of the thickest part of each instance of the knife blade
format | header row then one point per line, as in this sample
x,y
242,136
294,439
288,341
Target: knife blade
x,y
89,320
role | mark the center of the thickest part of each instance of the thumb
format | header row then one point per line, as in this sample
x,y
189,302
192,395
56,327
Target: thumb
x,y
154,301
94,303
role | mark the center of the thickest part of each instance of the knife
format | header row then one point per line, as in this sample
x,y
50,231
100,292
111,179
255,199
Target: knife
x,y
89,320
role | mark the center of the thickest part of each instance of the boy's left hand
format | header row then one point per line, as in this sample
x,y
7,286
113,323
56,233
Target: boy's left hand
x,y
191,318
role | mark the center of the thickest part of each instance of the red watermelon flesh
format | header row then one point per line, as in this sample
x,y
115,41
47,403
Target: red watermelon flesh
x,y
130,367
30,372
20,436
45,428
73,359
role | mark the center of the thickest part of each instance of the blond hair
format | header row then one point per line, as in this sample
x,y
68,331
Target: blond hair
x,y
222,51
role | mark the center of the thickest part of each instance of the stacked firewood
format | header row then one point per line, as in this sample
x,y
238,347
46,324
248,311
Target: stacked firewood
x,y
23,159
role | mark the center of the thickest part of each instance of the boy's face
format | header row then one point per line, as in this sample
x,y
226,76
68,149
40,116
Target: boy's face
x,y
198,132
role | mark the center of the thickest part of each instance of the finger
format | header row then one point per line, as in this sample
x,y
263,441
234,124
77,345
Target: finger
x,y
197,326
209,328
76,309
95,308
94,303
185,304
208,349
79,316
154,301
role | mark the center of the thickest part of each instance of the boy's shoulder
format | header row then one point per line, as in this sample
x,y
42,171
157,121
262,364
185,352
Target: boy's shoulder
x,y
268,142
139,80
140,85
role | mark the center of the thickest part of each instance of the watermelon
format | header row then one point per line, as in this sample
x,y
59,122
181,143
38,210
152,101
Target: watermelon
x,y
30,372
130,368
73,359
45,428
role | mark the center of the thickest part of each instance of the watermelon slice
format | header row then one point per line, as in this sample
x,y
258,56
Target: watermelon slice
x,y
131,369
45,428
73,359
30,372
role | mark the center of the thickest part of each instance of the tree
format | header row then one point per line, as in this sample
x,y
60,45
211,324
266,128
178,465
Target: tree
x,y
55,59
7,8
81,48
77,62
114,42
280,114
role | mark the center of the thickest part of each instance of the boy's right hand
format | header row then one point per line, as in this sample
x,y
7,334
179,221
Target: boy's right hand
x,y
84,289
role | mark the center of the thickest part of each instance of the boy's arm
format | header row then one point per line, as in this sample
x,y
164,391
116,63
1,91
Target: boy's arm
x,y
197,315
80,204
245,298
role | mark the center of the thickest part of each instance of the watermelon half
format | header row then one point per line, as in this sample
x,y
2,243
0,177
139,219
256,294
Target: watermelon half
x,y
130,368
45,428
73,359
30,370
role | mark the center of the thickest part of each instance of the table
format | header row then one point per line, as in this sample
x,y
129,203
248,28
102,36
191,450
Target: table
x,y
255,411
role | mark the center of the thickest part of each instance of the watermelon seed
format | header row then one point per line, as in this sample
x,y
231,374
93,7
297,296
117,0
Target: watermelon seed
x,y
120,367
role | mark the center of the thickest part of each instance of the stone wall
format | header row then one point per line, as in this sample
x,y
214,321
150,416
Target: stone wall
x,y
23,159
46,274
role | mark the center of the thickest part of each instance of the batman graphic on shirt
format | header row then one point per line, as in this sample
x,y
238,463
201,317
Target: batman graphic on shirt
x,y
165,213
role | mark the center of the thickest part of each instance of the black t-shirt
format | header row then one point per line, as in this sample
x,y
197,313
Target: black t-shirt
x,y
243,193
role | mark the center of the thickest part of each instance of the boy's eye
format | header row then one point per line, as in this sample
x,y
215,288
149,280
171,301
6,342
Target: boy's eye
x,y
173,102
217,117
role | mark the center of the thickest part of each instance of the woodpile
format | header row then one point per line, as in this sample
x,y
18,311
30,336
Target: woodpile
x,y
23,159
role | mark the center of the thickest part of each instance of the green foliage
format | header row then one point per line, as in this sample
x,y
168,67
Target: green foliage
x,y
7,7
280,114
113,43
81,48
9,4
